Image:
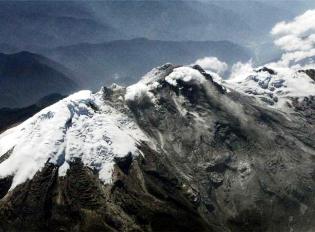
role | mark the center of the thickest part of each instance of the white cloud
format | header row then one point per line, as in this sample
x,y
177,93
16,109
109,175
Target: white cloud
x,y
302,25
185,74
239,71
294,43
296,38
213,64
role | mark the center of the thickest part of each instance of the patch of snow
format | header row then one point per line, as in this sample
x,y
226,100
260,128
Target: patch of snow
x,y
62,171
79,126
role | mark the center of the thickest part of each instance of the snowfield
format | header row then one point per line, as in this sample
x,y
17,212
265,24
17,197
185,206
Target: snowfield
x,y
275,90
79,126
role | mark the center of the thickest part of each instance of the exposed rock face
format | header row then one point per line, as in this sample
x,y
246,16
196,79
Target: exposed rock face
x,y
266,69
310,73
215,160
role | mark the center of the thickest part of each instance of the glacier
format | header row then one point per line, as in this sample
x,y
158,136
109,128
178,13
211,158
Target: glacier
x,y
79,126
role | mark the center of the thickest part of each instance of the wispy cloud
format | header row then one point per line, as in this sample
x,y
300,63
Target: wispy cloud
x,y
241,70
213,64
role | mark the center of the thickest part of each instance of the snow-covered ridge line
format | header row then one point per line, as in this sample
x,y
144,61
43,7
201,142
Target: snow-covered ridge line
x,y
275,88
79,126
272,87
150,82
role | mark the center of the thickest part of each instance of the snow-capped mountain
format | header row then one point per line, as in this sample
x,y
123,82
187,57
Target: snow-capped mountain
x,y
180,150
285,89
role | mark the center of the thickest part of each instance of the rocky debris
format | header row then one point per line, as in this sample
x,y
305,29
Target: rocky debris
x,y
219,164
306,103
305,107
267,100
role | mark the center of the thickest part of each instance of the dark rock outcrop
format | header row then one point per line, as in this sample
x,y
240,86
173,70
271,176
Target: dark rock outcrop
x,y
310,73
268,70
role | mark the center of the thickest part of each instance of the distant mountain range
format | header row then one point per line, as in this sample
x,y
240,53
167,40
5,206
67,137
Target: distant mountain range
x,y
45,24
40,24
97,40
26,77
124,61
171,20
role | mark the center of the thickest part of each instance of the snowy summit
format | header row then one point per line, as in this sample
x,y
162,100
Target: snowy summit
x,y
79,126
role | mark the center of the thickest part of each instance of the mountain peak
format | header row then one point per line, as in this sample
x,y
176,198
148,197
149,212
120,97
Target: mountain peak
x,y
276,88
176,147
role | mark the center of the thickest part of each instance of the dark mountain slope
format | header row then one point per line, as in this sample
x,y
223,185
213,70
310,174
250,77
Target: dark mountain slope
x,y
26,77
7,48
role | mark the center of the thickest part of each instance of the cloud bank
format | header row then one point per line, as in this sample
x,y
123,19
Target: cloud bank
x,y
296,38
